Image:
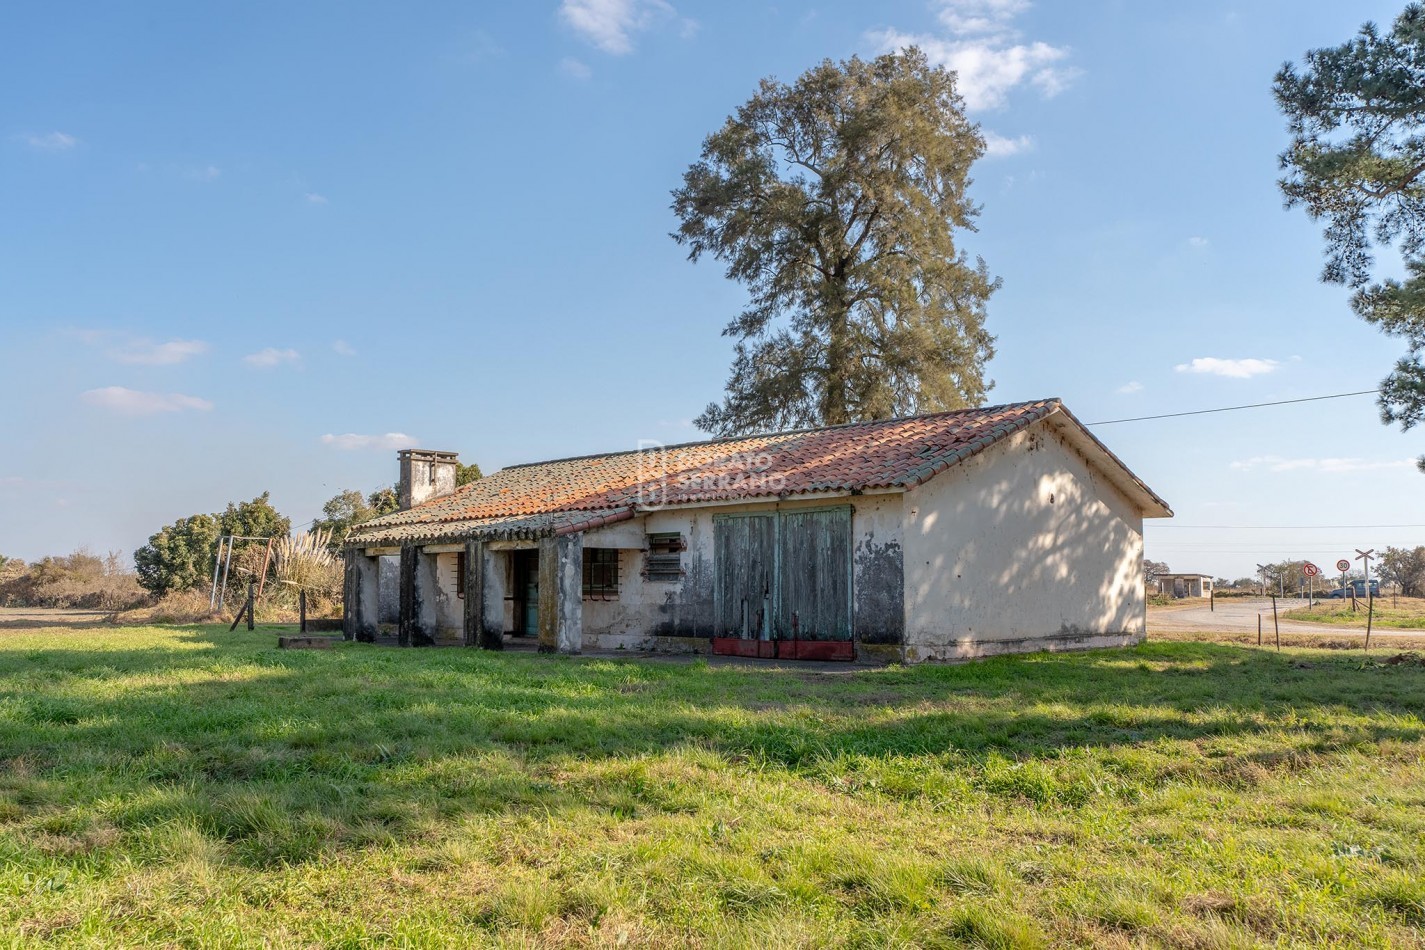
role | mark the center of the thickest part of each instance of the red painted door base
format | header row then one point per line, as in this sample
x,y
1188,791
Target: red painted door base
x,y
841,650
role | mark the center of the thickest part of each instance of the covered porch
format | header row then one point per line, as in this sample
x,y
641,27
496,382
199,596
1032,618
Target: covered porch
x,y
522,578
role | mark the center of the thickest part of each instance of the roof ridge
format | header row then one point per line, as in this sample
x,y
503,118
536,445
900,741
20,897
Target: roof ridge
x,y
783,432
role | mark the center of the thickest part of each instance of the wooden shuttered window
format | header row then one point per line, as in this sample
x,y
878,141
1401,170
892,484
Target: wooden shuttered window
x,y
664,560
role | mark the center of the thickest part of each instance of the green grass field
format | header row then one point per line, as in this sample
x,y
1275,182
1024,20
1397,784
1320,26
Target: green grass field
x,y
1400,613
190,787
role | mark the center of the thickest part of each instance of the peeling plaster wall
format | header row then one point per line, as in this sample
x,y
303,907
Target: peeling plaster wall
x,y
388,587
1023,547
878,561
449,605
647,609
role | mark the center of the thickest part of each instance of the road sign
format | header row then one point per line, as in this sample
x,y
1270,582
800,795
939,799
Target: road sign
x,y
1343,565
1310,570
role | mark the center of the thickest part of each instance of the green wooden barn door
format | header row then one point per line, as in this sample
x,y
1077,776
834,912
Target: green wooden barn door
x,y
814,582
744,559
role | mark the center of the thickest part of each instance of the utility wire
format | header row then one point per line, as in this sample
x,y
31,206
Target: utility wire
x,y
1255,405
1287,527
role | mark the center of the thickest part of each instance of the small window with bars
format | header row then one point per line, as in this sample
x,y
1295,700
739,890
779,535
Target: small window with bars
x,y
601,573
664,560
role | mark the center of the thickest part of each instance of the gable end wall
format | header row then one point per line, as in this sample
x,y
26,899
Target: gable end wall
x,y
1023,547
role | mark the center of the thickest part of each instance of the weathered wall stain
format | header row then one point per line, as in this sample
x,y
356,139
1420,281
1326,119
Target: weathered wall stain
x,y
880,591
687,611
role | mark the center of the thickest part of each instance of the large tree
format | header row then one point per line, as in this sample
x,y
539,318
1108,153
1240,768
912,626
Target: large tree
x,y
1357,118
837,201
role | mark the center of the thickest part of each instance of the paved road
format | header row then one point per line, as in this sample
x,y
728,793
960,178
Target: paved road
x,y
1240,615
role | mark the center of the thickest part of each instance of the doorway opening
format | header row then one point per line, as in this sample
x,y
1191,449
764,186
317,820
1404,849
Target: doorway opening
x,y
525,592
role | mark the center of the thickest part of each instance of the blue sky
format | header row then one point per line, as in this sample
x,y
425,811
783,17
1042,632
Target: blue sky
x,y
257,246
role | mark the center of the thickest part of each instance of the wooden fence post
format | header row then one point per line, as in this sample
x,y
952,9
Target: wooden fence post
x,y
246,608
302,610
1276,623
1370,615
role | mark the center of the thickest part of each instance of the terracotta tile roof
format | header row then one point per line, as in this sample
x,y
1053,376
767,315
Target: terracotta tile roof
x,y
561,496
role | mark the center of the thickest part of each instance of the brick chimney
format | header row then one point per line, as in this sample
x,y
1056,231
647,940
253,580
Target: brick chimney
x,y
425,475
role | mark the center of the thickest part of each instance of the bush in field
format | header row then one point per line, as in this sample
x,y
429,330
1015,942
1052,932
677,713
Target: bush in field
x,y
305,562
181,555
81,580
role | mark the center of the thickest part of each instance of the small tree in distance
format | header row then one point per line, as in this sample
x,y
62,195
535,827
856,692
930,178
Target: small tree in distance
x,y
1404,567
465,474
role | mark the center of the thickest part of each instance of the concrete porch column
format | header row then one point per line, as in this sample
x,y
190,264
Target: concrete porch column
x,y
561,594
479,630
360,587
418,593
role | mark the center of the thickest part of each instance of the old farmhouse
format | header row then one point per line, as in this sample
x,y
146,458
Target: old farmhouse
x,y
943,536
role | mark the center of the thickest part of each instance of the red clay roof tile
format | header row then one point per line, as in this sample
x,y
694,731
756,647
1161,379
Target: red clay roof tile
x,y
559,496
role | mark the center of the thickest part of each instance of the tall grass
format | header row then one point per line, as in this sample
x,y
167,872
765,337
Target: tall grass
x,y
198,788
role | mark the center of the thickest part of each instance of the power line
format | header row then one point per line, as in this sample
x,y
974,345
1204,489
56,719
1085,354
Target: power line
x,y
1288,527
1255,405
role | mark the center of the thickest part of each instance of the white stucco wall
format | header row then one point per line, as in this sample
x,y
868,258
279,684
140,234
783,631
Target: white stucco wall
x,y
1022,547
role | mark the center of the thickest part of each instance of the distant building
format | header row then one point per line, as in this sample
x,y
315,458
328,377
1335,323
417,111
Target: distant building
x,y
1184,585
956,534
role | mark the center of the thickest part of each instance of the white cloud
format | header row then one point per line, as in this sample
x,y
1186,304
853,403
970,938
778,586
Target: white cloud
x,y
47,141
986,51
1128,389
133,402
998,146
270,357
610,25
148,353
350,441
1198,241
343,348
315,199
205,173
141,351
574,68
1236,369
1275,463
